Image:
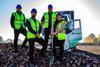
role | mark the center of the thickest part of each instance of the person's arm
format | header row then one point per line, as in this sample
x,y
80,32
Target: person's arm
x,y
12,21
40,29
29,27
24,20
42,20
52,29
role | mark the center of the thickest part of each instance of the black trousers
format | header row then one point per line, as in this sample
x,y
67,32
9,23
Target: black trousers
x,y
58,43
31,46
47,33
16,34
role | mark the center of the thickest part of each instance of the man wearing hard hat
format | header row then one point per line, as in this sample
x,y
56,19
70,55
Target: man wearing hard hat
x,y
33,34
47,22
17,22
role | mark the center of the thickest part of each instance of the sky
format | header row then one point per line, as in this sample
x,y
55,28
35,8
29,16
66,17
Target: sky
x,y
86,10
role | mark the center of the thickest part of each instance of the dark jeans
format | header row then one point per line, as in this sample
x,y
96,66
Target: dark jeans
x,y
31,46
16,34
47,33
58,43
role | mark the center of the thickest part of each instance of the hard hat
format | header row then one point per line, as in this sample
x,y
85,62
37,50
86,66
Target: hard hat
x,y
34,10
50,6
18,6
59,14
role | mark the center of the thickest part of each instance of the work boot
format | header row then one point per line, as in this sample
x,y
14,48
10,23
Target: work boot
x,y
16,50
24,46
42,54
31,61
31,64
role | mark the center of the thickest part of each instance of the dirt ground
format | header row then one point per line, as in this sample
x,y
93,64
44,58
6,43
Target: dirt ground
x,y
81,57
93,48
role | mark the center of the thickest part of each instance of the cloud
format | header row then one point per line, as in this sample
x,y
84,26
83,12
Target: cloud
x,y
87,10
93,6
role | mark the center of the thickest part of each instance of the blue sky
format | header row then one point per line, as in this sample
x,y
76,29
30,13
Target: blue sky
x,y
87,10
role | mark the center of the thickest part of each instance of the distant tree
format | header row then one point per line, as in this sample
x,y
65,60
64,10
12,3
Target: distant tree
x,y
98,39
92,35
1,39
91,39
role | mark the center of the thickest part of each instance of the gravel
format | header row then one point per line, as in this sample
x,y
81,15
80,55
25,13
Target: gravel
x,y
77,58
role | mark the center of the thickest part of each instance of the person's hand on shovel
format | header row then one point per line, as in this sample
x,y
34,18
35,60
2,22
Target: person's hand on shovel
x,y
53,33
37,34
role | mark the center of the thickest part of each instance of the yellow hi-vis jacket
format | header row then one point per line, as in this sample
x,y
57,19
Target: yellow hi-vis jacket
x,y
35,26
61,35
19,20
46,17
